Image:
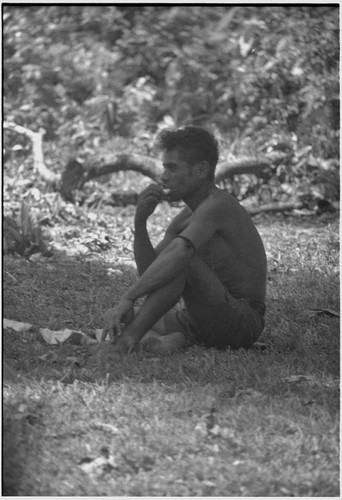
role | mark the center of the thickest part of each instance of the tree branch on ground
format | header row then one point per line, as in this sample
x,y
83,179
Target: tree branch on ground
x,y
37,150
138,163
148,166
76,174
228,170
281,206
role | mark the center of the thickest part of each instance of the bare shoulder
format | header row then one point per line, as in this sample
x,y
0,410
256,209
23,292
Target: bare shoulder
x,y
223,212
219,204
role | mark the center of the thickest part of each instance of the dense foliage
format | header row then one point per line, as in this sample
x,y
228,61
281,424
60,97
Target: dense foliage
x,y
264,78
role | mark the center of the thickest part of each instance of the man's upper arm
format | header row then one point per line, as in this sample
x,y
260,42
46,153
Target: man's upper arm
x,y
205,221
164,242
175,227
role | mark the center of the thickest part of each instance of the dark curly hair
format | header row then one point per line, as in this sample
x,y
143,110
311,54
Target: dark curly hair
x,y
195,143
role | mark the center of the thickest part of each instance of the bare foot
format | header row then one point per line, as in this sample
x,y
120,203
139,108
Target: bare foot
x,y
162,344
119,346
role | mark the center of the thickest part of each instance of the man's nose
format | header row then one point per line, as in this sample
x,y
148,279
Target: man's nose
x,y
164,177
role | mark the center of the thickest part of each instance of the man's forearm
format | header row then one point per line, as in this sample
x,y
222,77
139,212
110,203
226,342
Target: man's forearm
x,y
169,264
144,252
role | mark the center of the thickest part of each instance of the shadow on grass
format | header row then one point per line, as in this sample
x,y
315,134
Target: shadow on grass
x,y
74,292
297,325
56,293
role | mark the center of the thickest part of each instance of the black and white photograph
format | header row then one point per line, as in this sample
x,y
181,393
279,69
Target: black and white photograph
x,y
170,249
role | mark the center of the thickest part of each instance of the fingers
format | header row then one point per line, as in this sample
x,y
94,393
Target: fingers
x,y
115,318
104,334
111,330
112,334
148,200
106,331
153,191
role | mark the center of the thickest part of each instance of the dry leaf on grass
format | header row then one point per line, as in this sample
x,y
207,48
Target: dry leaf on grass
x,y
299,378
18,326
60,336
327,312
98,467
106,427
259,346
98,333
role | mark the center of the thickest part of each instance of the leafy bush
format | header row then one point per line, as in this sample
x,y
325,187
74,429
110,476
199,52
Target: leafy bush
x,y
23,235
261,77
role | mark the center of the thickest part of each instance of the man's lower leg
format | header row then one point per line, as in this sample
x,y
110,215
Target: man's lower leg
x,y
154,307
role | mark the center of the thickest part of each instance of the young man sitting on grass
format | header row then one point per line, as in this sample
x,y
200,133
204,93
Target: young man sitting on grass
x,y
211,256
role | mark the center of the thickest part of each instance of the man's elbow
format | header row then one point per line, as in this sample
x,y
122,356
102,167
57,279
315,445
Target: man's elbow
x,y
183,247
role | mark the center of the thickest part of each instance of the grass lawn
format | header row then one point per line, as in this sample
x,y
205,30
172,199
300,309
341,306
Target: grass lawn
x,y
199,423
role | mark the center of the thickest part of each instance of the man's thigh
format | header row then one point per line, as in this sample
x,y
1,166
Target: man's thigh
x,y
217,318
231,323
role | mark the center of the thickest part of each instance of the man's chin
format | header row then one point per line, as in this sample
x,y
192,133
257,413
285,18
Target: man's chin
x,y
175,199
171,196
174,196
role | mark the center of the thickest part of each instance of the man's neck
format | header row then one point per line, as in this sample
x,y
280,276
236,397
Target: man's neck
x,y
199,195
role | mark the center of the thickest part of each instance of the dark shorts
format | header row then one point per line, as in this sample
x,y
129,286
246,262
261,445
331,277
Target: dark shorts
x,y
233,324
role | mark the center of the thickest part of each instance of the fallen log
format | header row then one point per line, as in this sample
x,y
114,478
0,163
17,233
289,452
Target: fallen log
x,y
111,164
255,166
76,174
150,167
281,206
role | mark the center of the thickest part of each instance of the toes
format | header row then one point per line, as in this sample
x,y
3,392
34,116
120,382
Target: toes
x,y
151,344
163,345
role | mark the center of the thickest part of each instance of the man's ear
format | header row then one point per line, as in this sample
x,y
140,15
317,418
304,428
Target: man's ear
x,y
202,169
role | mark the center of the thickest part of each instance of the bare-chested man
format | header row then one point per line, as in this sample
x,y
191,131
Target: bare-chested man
x,y
211,256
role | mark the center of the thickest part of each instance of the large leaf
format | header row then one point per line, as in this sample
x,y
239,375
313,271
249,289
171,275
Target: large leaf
x,y
18,326
60,336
